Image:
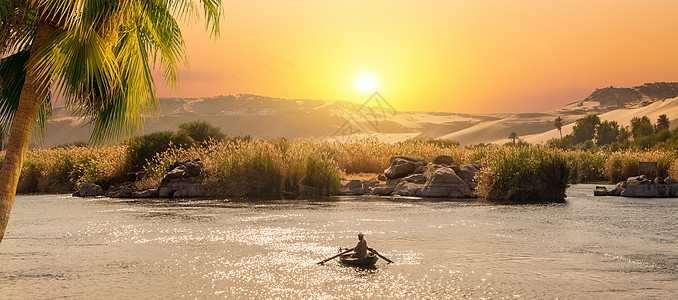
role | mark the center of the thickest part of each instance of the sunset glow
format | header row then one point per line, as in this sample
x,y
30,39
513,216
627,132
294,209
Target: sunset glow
x,y
366,83
438,55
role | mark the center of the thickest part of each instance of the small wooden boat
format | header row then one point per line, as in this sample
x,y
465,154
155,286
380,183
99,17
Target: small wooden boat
x,y
366,262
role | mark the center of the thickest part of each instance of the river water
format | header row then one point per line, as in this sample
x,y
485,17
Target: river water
x,y
611,248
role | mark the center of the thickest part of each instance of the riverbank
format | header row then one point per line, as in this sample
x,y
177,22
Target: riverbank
x,y
247,167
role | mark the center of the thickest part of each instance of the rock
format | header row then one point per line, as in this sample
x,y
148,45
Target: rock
x,y
642,187
416,178
382,190
419,170
646,190
89,190
659,180
601,191
443,160
135,176
617,189
357,191
401,167
354,184
183,179
165,192
381,177
471,168
369,184
445,183
357,187
392,182
407,158
614,192
467,177
405,188
123,190
150,193
622,184
189,191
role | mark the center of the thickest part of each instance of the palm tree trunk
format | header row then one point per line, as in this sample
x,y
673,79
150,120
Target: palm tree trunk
x,y
32,95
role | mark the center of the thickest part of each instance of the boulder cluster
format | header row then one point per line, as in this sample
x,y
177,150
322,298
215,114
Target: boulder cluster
x,y
642,187
413,176
405,176
182,179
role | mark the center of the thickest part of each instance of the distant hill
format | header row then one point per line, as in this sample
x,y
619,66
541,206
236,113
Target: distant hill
x,y
611,98
267,117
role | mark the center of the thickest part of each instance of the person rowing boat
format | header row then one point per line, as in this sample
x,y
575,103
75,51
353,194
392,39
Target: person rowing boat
x,y
360,250
359,256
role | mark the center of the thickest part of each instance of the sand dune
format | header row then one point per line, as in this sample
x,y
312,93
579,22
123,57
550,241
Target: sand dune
x,y
266,117
621,116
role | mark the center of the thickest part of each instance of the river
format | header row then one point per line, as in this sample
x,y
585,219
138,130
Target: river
x,y
99,248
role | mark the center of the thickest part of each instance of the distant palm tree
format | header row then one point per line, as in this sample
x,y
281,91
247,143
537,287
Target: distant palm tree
x,y
513,136
99,56
558,124
663,123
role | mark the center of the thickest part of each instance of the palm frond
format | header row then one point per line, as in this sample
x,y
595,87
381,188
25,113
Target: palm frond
x,y
102,59
122,114
78,65
12,77
188,10
17,24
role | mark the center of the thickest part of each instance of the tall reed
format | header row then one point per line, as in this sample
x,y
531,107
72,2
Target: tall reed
x,y
524,175
63,169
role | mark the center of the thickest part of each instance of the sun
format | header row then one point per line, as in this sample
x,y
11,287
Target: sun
x,y
366,83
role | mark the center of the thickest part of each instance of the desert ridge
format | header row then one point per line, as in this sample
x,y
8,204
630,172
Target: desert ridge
x,y
267,117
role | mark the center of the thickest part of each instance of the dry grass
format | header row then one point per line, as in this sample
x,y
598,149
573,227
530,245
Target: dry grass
x,y
63,169
242,167
358,176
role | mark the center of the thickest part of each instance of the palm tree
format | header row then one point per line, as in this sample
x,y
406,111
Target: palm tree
x,y
558,124
663,123
513,136
2,136
97,55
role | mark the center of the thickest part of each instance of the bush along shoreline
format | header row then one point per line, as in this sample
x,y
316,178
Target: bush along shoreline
x,y
255,169
279,168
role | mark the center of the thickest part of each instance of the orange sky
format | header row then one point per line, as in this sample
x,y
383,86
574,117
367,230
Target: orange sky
x,y
434,55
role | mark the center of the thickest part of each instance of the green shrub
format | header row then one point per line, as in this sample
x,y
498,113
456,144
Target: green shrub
x,y
586,166
30,176
144,148
201,131
323,176
524,175
620,166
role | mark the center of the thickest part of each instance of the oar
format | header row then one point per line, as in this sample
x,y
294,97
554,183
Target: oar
x,y
333,257
383,257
